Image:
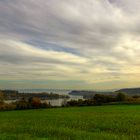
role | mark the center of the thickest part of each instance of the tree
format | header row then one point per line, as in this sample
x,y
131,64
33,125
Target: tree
x,y
35,102
99,98
64,102
121,97
1,97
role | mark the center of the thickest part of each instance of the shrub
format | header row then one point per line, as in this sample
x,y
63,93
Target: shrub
x,y
7,107
22,104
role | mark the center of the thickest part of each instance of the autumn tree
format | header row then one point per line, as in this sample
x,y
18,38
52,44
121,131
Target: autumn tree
x,y
35,102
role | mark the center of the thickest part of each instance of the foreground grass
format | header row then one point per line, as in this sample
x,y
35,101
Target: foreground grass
x,y
79,123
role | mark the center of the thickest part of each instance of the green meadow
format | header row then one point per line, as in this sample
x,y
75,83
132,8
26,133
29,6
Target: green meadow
x,y
116,122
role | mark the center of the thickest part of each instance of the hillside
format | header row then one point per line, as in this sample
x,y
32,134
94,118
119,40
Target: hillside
x,y
130,91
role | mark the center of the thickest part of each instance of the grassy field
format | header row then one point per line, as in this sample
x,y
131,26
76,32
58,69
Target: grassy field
x,y
114,122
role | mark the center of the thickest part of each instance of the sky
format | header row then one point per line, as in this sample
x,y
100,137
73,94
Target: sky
x,y
70,44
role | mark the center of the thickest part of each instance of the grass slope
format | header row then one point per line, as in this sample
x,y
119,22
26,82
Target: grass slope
x,y
78,123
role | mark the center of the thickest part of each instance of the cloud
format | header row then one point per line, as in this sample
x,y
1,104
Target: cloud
x,y
95,42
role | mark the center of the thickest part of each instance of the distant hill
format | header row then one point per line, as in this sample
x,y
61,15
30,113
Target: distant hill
x,y
88,94
130,91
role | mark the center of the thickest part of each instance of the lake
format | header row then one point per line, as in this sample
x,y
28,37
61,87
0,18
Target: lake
x,y
53,102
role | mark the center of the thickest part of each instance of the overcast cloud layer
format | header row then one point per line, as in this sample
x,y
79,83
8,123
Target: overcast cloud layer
x,y
79,44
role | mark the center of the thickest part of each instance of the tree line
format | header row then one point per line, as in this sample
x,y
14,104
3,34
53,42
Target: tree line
x,y
98,99
23,103
102,99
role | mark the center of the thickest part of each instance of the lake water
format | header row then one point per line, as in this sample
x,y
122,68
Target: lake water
x,y
54,102
58,102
